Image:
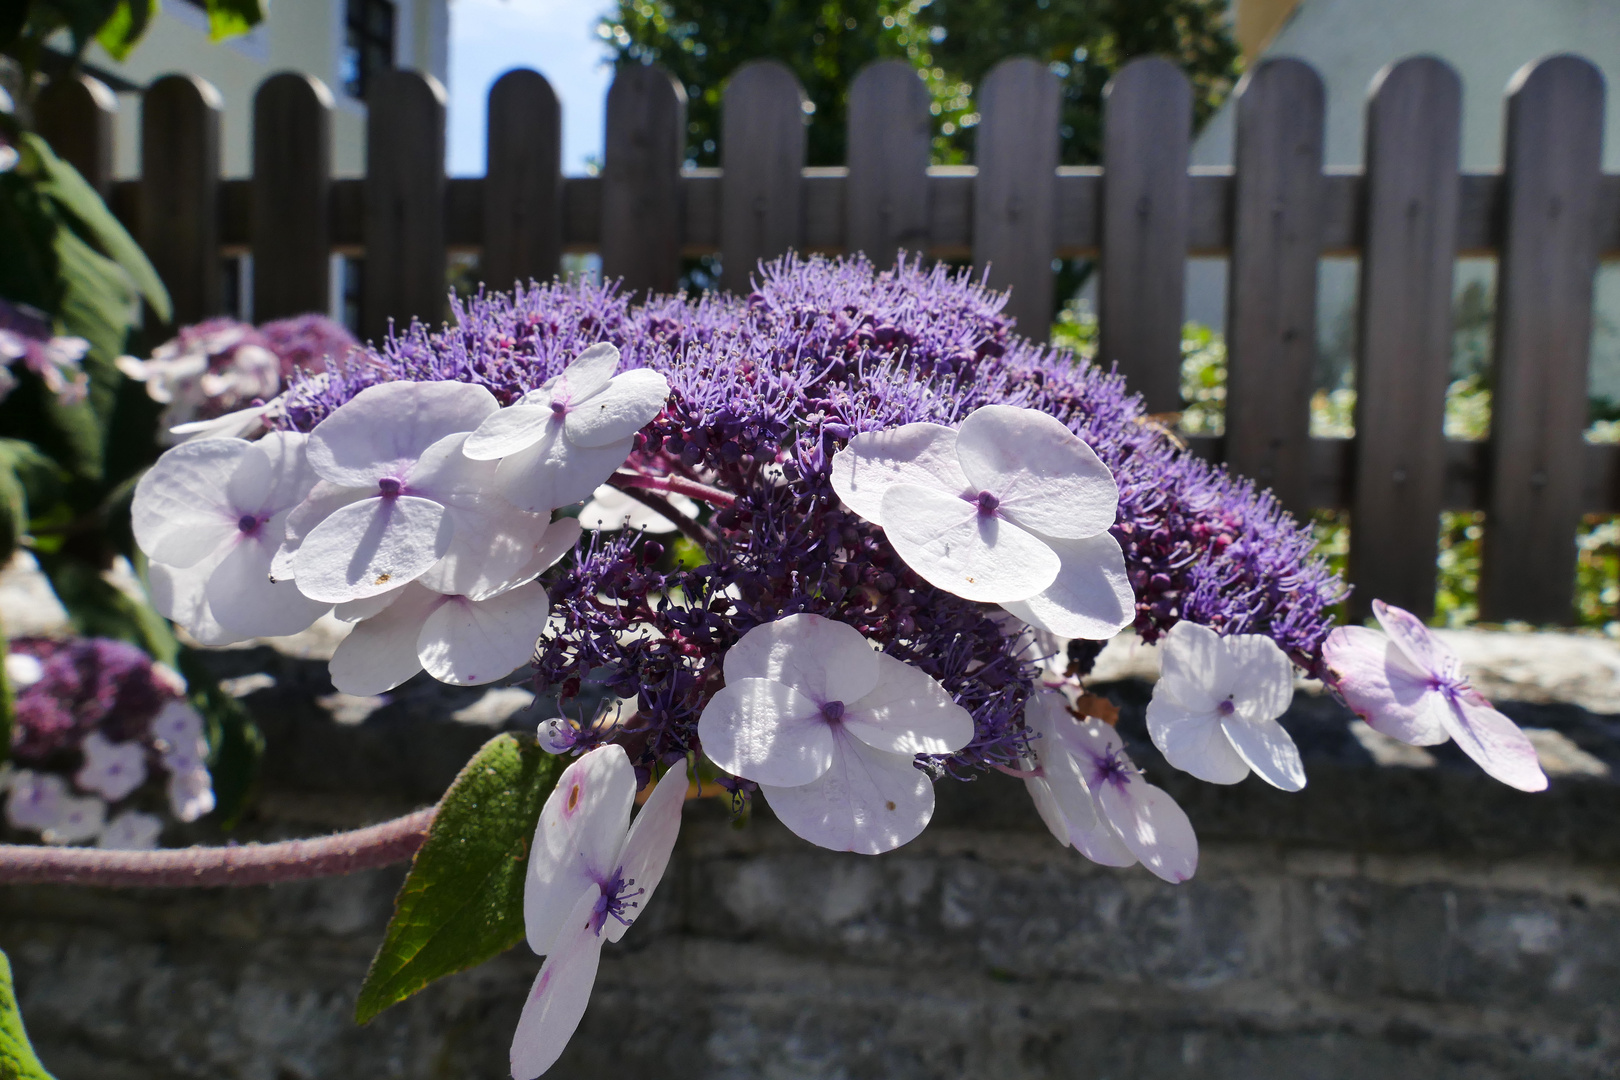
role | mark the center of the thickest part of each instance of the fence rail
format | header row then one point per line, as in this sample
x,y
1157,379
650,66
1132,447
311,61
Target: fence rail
x,y
1548,217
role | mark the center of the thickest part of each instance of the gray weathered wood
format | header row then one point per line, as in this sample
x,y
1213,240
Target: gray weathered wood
x,y
886,196
179,219
1271,313
523,186
292,187
1543,336
1147,132
404,276
1015,193
641,179
76,117
762,148
1403,362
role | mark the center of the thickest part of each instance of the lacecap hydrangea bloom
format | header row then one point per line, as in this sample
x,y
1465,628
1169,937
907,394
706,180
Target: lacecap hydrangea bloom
x,y
908,534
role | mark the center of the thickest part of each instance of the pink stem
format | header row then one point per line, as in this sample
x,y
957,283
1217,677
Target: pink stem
x,y
679,485
1022,774
203,867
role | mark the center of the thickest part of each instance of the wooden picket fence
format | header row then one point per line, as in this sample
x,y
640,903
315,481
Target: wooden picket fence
x,y
1548,217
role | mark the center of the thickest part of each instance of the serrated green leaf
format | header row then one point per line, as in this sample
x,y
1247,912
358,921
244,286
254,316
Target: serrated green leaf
x,y
17,1058
231,18
463,900
120,34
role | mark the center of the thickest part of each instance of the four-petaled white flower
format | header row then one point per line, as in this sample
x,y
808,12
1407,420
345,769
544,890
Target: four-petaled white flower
x,y
465,639
1410,686
179,728
211,515
131,831
1094,799
191,789
1011,508
829,729
559,442
111,770
611,509
1214,711
34,800
591,873
77,820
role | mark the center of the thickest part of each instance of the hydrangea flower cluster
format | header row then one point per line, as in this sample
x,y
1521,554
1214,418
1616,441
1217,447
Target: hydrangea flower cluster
x,y
26,338
103,738
218,376
904,535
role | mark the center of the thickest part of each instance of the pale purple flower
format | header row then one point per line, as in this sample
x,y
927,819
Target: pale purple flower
x,y
111,770
35,800
191,788
131,831
1410,687
77,820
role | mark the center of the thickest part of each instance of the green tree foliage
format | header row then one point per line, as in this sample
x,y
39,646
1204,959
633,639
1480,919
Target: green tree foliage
x,y
952,43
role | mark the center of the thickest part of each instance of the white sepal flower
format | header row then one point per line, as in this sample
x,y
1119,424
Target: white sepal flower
x,y
131,831
463,639
611,509
591,873
34,800
191,788
559,442
1128,820
211,515
78,820
111,770
830,730
1214,711
23,671
179,727
1011,508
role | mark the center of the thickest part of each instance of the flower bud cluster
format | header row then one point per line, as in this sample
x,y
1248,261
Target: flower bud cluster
x,y
105,746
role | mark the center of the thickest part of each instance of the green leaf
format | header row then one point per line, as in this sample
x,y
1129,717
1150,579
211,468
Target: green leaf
x,y
120,34
62,183
463,900
235,742
231,18
13,514
17,1058
97,608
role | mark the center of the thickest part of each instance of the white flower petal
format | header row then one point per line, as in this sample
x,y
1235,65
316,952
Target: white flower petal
x,y
181,594
1193,742
561,992
370,547
1047,716
1417,641
245,601
823,659
380,652
322,502
471,642
1102,844
181,513
553,472
1268,749
1194,668
191,790
384,429
577,841
766,732
111,770
557,541
1152,826
951,545
131,831
492,546
1047,478
908,712
1262,676
355,610
1495,742
514,428
1091,596
78,820
275,476
586,375
873,461
1384,687
1040,793
650,844
622,408
867,801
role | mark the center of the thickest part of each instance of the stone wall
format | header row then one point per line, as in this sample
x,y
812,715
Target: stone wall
x,y
1402,917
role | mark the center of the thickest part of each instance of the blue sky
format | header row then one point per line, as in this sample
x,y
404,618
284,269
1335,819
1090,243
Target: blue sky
x,y
555,37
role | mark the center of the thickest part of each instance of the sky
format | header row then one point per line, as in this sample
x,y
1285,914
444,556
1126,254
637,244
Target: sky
x,y
554,37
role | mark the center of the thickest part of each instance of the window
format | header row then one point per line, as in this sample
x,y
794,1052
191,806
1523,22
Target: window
x,y
368,43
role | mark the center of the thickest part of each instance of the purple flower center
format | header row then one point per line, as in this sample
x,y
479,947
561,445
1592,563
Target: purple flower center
x,y
559,407
833,711
987,504
248,523
1226,708
616,901
1114,768
389,487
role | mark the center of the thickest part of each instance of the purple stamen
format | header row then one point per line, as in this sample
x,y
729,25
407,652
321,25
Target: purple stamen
x,y
1226,708
388,487
247,523
833,711
616,901
987,504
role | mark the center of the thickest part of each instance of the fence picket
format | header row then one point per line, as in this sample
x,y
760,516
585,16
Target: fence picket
x,y
1015,192
1403,361
1146,203
1551,162
1271,314
404,274
292,194
641,179
886,207
180,192
762,148
76,117
523,181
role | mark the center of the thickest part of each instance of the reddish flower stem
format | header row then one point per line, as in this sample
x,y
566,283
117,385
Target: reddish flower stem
x,y
205,867
1022,774
679,485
